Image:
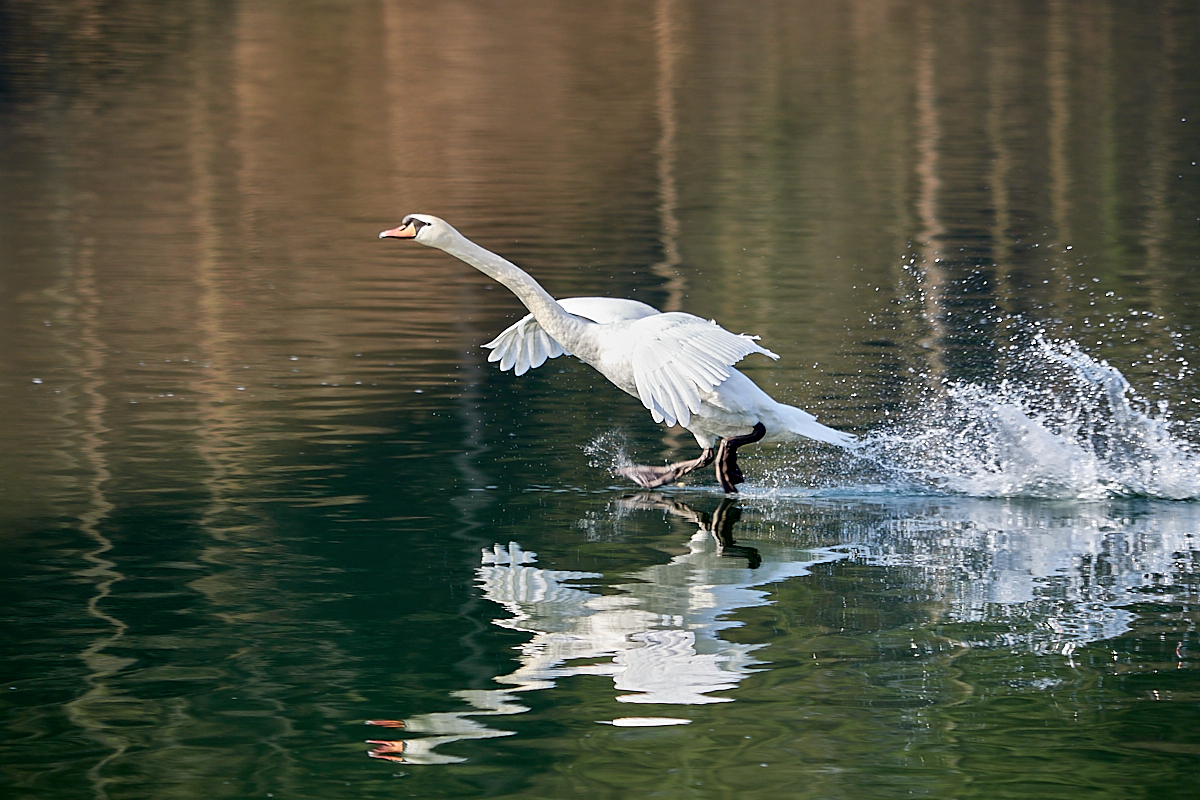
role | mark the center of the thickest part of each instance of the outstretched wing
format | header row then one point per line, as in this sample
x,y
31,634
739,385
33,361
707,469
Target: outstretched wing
x,y
677,357
524,345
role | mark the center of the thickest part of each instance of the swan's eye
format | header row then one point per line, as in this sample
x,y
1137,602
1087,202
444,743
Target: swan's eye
x,y
416,223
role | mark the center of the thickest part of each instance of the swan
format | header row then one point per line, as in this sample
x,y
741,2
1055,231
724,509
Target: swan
x,y
679,365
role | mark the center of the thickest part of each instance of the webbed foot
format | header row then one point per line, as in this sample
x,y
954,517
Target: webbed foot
x,y
650,476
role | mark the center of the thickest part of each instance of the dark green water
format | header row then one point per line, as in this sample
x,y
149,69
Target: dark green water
x,y
271,525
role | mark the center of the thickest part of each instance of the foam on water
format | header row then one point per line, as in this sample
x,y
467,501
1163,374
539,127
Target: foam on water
x,y
1064,425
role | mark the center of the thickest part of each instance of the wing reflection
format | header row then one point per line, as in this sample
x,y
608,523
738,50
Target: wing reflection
x,y
656,636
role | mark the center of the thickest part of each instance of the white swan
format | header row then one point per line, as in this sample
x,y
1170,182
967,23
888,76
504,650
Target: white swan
x,y
680,366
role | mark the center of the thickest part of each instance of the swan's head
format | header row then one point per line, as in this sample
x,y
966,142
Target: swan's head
x,y
430,231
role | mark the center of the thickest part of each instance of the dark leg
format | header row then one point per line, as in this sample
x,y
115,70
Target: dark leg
x,y
728,473
650,477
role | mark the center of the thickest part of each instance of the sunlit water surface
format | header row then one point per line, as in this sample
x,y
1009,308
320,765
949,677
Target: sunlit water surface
x,y
271,525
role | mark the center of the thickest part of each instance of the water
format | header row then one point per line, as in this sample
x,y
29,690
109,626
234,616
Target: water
x,y
271,524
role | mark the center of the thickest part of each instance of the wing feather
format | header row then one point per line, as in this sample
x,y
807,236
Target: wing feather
x,y
678,357
524,345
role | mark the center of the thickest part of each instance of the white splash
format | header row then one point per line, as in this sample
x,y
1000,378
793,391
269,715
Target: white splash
x,y
609,450
1070,427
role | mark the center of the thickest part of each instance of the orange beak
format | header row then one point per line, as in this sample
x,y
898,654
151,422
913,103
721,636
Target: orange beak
x,y
408,231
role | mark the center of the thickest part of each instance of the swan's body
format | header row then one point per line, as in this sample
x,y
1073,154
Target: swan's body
x,y
680,366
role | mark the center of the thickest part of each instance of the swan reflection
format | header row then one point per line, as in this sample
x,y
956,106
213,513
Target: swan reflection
x,y
1037,577
657,636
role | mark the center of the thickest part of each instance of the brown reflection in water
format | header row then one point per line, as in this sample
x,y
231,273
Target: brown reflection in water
x,y
100,710
234,588
1156,230
932,276
998,90
494,137
1060,120
666,42
667,38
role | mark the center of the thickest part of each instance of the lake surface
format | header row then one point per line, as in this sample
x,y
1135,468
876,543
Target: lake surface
x,y
272,526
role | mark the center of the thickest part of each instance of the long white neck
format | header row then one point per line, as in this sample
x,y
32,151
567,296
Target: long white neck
x,y
565,328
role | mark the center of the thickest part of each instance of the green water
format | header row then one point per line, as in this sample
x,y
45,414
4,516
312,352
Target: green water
x,y
271,525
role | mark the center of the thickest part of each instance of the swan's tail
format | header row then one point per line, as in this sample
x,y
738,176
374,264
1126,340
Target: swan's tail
x,y
802,423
